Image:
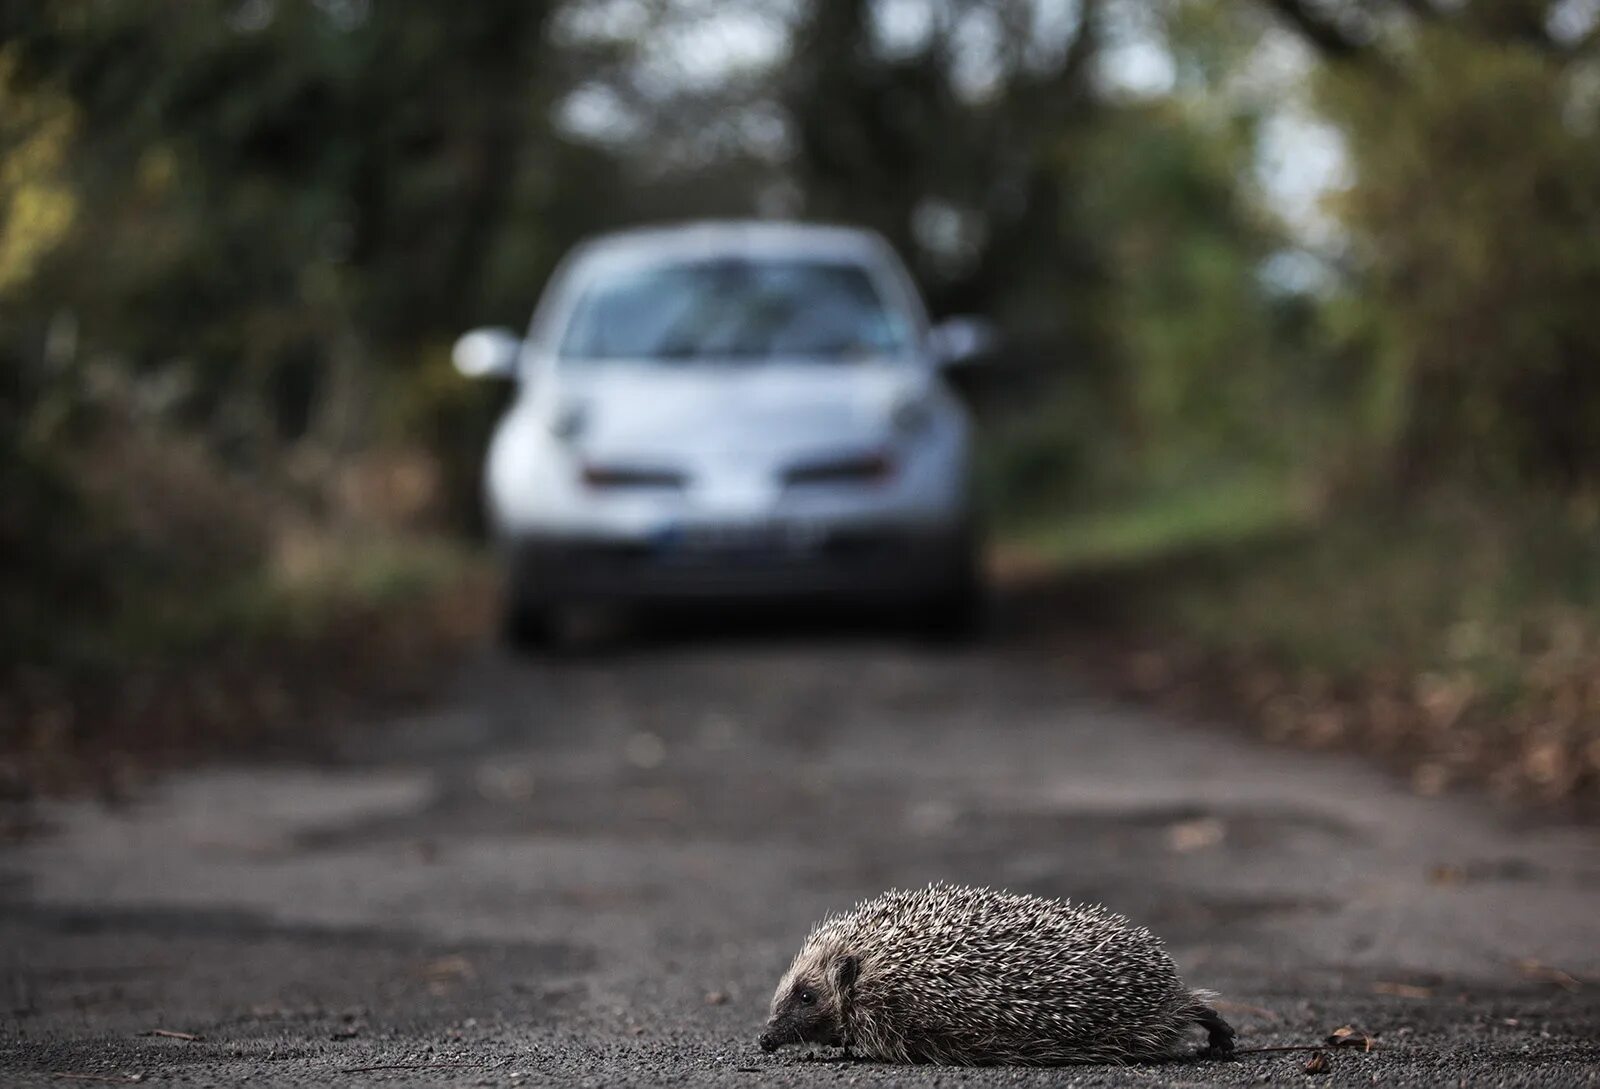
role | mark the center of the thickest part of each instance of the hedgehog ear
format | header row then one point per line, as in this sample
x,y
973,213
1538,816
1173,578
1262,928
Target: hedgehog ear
x,y
846,971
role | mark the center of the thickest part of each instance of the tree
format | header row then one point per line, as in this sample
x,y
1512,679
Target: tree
x,y
1353,30
283,201
973,183
1474,211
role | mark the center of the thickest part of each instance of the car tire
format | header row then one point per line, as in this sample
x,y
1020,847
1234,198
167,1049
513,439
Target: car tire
x,y
956,613
526,621
524,626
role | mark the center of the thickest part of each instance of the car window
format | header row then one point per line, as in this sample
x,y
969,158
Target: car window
x,y
734,309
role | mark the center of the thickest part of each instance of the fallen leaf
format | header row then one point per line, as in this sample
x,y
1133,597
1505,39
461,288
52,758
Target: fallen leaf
x,y
1348,1036
1195,835
1430,780
1402,990
451,967
1546,973
1318,1063
1148,672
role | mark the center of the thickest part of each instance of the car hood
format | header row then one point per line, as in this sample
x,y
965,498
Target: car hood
x,y
685,413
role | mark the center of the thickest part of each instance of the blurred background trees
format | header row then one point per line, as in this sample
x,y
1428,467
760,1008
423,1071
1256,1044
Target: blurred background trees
x,y
271,215
1476,201
1258,262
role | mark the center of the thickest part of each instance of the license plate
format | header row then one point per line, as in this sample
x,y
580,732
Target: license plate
x,y
758,538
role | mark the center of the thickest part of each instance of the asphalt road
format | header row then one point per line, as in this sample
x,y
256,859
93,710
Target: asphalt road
x,y
591,871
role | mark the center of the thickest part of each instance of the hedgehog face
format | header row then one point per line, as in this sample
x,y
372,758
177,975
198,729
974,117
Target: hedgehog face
x,y
810,1002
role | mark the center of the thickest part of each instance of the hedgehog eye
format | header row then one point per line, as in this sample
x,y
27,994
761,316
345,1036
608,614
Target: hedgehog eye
x,y
808,996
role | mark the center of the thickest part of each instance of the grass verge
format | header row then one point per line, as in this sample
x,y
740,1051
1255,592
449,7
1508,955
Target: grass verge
x,y
260,664
1456,637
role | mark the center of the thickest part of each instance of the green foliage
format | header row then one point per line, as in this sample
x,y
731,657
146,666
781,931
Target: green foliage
x,y
1154,525
976,189
1436,587
281,212
36,205
1199,370
1191,324
1448,634
1476,210
55,553
233,239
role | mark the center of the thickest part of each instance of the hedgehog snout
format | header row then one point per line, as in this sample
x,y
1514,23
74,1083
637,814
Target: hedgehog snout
x,y
779,1030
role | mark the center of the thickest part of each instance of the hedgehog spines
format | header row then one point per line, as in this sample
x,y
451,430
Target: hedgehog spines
x,y
973,976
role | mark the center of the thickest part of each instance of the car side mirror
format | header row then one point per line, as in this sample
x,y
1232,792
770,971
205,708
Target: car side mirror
x,y
956,342
487,353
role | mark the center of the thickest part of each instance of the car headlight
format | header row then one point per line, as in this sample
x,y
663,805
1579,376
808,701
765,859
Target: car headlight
x,y
867,467
632,477
569,422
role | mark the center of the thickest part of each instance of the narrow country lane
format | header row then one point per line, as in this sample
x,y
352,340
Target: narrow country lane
x,y
591,870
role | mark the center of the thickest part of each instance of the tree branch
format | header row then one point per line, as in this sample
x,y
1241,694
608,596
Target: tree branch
x,y
1322,32
1085,44
1422,9
1580,46
1586,42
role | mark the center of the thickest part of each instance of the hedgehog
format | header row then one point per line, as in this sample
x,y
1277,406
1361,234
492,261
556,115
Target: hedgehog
x,y
973,977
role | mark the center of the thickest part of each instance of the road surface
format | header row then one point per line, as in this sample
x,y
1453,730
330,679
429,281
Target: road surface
x,y
591,871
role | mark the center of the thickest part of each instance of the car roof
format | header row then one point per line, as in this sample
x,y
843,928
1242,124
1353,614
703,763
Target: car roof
x,y
736,238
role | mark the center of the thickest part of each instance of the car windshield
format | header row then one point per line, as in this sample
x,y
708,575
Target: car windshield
x,y
734,309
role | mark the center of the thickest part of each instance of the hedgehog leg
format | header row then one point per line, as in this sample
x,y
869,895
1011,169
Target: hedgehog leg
x,y
1220,1033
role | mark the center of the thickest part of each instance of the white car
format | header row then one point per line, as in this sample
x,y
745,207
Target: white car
x,y
731,410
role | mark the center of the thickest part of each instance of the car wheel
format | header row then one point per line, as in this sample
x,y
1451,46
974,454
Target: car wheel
x,y
525,619
524,626
956,612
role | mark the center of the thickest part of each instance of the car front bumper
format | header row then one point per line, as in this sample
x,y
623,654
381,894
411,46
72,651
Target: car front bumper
x,y
856,564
